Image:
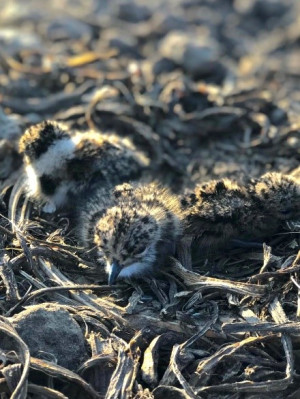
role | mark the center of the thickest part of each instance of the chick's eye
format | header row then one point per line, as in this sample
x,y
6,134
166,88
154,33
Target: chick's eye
x,y
142,252
286,211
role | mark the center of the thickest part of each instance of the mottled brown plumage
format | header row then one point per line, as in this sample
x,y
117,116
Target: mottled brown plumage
x,y
276,199
219,211
135,228
60,164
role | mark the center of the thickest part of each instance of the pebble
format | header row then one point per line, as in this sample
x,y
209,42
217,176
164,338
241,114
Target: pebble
x,y
50,331
13,41
132,12
193,54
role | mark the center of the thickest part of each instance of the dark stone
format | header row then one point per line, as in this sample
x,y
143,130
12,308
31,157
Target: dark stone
x,y
50,331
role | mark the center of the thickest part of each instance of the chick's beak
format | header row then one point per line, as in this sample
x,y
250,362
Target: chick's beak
x,y
114,272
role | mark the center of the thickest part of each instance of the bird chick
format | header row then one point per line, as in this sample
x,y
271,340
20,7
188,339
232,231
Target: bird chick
x,y
134,227
221,211
60,164
276,199
215,212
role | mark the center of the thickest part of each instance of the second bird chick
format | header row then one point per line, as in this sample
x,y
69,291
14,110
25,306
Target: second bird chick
x,y
215,212
134,227
60,164
276,199
218,212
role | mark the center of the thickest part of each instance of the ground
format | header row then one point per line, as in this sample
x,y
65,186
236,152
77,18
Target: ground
x,y
208,89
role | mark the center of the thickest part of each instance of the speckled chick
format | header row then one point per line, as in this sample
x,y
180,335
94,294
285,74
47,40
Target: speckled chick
x,y
134,227
219,211
276,199
60,164
215,212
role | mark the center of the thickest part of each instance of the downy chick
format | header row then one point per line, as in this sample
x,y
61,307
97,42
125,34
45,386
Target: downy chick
x,y
276,199
134,227
60,164
217,212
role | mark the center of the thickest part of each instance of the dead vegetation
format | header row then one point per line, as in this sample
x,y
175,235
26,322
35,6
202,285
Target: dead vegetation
x,y
229,328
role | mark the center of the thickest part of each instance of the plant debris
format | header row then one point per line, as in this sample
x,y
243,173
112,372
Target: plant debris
x,y
207,90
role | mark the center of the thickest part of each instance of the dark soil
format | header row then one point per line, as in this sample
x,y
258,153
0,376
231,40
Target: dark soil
x,y
208,89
